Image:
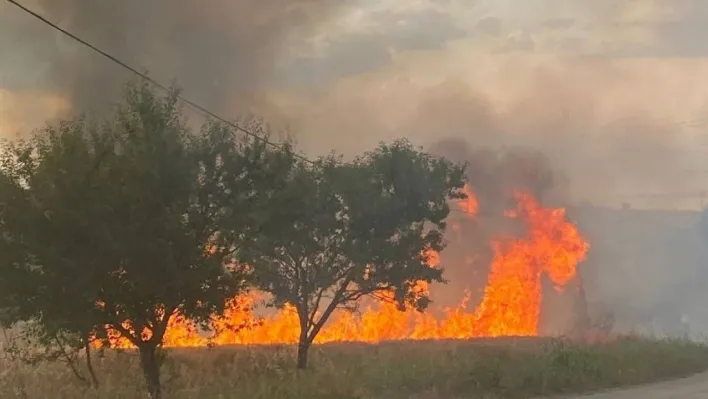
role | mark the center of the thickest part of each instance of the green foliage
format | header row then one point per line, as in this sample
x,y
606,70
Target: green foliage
x,y
340,231
135,218
396,202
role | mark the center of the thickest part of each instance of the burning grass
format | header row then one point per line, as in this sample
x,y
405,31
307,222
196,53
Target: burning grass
x,y
491,368
511,304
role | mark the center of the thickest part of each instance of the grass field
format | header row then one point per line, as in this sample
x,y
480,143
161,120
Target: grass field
x,y
502,368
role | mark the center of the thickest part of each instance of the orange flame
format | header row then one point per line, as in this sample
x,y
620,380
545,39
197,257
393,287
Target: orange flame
x,y
511,303
469,205
512,299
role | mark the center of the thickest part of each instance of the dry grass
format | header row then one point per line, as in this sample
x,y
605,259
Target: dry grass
x,y
513,368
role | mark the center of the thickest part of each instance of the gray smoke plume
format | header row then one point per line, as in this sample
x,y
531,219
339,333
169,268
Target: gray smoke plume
x,y
606,160
221,52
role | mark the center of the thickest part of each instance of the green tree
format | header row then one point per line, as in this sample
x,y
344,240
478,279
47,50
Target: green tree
x,y
134,219
341,231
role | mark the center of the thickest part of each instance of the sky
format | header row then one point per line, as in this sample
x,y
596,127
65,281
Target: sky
x,y
614,93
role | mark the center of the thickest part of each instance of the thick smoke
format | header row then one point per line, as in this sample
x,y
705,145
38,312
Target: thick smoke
x,y
496,174
222,52
612,150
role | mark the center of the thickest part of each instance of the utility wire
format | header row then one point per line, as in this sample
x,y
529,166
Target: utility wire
x,y
149,79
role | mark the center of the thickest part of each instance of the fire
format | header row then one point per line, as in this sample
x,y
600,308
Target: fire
x,y
510,306
469,205
512,299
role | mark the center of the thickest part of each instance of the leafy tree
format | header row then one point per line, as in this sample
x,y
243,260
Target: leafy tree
x,y
341,231
126,223
56,301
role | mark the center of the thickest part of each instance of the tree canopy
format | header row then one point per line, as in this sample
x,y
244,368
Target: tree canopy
x,y
344,230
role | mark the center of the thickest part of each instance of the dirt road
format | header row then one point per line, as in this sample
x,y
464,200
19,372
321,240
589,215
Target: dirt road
x,y
693,387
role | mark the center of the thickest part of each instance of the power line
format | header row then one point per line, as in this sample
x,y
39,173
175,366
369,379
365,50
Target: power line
x,y
686,122
149,79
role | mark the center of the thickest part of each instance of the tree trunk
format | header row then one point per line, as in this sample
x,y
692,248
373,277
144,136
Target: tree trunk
x,y
303,348
307,335
89,365
151,371
303,345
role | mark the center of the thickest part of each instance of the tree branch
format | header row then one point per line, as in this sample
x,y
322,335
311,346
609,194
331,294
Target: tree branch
x,y
127,334
316,306
68,359
89,364
331,307
161,326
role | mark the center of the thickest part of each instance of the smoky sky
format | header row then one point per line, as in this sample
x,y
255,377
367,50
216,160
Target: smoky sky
x,y
599,89
217,50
